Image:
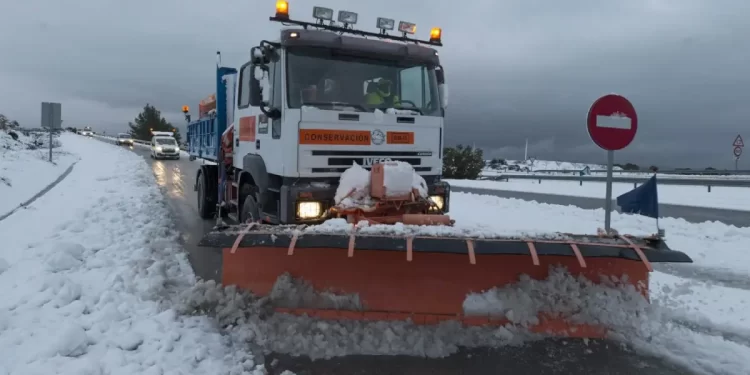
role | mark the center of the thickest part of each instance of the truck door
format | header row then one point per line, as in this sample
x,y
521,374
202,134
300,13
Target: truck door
x,y
256,133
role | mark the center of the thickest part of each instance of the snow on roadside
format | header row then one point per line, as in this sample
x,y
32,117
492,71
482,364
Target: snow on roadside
x,y
730,198
25,169
95,262
703,306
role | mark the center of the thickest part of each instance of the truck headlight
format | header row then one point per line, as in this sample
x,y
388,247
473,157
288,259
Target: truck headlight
x,y
438,200
158,148
309,210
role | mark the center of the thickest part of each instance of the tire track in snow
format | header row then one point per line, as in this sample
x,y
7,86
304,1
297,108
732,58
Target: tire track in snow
x,y
735,337
41,193
712,275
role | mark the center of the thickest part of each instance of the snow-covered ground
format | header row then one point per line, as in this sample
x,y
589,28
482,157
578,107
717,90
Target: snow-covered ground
x,y
88,272
25,168
732,198
96,283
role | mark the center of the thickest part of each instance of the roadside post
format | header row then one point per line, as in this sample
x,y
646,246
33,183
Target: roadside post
x,y
612,124
51,120
737,145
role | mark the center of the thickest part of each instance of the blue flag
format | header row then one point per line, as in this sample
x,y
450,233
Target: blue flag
x,y
642,200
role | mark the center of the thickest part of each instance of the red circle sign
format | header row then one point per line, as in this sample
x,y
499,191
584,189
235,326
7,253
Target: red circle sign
x,y
737,151
612,122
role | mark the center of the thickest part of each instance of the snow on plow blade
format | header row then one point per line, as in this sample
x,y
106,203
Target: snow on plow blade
x,y
426,279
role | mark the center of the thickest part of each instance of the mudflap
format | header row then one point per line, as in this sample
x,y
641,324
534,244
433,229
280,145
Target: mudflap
x,y
423,278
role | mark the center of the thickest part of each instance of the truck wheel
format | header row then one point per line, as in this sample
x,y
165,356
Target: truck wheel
x,y
206,200
249,211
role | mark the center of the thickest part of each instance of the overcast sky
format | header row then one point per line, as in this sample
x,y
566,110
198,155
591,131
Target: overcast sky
x,y
517,69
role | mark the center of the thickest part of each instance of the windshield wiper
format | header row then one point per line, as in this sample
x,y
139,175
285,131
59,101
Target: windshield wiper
x,y
336,104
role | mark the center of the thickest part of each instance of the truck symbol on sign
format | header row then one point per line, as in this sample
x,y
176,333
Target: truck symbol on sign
x,y
372,161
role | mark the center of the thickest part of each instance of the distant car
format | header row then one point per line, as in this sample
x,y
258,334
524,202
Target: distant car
x,y
87,132
124,139
164,146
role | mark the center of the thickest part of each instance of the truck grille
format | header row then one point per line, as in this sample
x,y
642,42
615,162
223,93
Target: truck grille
x,y
339,161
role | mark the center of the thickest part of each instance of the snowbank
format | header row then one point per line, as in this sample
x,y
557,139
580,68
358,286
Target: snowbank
x,y
550,165
24,166
89,272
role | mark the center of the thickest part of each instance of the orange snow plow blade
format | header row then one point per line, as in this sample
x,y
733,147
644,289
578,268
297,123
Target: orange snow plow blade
x,y
426,279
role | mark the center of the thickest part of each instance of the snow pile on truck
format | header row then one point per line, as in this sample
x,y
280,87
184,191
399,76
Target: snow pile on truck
x,y
399,179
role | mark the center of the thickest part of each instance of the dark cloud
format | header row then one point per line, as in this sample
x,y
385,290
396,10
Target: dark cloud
x,y
516,69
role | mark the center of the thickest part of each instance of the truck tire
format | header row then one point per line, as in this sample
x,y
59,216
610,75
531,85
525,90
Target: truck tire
x,y
206,196
249,211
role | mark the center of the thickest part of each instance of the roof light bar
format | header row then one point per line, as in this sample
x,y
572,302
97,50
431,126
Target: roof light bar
x,y
322,14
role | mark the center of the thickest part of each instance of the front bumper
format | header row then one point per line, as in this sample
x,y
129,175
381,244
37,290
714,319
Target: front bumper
x,y
167,154
325,193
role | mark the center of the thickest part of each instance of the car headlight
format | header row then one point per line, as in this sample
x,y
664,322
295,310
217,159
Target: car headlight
x,y
158,148
438,200
309,210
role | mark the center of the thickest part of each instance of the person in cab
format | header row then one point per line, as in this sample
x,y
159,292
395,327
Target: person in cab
x,y
380,94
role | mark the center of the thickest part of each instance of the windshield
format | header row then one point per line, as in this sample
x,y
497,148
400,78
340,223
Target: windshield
x,y
328,79
124,136
165,141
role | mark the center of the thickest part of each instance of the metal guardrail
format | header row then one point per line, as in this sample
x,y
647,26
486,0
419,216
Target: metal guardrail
x,y
145,143
634,180
688,172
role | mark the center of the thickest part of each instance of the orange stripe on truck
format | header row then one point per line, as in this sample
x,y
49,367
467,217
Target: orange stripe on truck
x,y
334,137
247,129
400,138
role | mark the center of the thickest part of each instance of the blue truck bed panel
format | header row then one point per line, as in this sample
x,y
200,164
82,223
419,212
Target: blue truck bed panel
x,y
204,134
204,139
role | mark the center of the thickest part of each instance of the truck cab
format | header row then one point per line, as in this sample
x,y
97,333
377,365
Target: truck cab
x,y
308,106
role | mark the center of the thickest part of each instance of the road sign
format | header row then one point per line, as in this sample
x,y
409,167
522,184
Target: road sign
x,y
737,151
612,122
738,142
51,115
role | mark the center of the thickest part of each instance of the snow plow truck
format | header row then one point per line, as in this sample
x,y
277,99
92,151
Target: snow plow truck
x,y
327,160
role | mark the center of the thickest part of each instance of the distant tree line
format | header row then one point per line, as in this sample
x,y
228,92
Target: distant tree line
x,y
462,162
150,120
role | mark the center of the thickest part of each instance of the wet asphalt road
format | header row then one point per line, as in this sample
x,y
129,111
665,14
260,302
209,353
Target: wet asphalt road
x,y
176,179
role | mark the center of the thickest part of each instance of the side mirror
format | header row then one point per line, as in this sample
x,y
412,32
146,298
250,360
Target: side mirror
x,y
256,88
442,87
440,75
443,90
260,91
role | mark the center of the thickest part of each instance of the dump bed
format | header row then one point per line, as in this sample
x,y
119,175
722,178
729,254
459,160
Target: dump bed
x,y
204,134
204,138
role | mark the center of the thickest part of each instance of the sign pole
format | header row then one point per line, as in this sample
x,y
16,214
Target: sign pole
x,y
612,124
608,195
50,145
